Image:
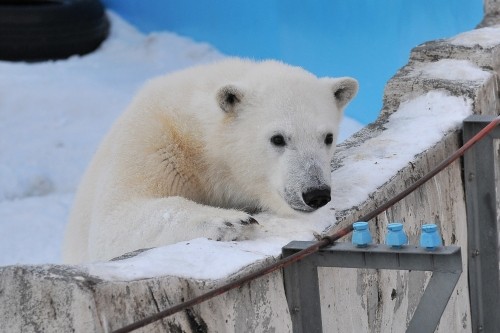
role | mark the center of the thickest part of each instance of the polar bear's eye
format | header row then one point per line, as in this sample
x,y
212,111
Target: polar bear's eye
x,y
278,140
329,139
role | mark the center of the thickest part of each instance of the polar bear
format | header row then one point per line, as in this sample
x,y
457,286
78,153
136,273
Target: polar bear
x,y
200,151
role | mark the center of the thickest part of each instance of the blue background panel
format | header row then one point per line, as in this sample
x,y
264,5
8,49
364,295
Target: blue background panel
x,y
366,39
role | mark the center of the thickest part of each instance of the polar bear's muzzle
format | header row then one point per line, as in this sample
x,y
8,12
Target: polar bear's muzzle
x,y
307,185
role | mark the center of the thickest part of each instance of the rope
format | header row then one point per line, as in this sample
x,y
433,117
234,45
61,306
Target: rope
x,y
327,240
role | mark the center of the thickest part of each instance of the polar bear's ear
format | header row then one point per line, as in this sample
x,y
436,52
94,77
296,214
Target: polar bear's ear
x,y
229,97
344,89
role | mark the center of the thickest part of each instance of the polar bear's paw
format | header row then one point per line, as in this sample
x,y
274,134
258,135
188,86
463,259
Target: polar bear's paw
x,y
186,219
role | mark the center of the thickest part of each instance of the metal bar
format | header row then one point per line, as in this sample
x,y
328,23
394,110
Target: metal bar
x,y
482,227
433,302
384,257
302,290
444,262
446,259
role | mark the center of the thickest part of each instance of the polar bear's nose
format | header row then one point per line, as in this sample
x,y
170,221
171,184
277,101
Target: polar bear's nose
x,y
317,197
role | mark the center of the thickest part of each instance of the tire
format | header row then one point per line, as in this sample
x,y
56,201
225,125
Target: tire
x,y
37,30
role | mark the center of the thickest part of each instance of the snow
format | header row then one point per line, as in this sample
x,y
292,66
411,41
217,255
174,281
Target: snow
x,y
52,117
189,260
31,228
452,69
417,125
485,37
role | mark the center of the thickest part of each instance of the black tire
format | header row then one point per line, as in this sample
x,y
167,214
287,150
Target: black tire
x,y
36,30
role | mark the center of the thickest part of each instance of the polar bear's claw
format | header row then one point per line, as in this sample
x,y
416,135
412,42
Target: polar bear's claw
x,y
250,220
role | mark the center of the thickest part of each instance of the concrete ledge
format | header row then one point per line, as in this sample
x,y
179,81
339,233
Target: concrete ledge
x,y
55,298
477,46
48,298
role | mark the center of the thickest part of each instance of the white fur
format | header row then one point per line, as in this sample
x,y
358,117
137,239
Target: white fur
x,y
186,161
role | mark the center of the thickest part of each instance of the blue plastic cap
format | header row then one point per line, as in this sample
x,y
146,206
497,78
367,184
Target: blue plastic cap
x,y
361,236
396,237
430,238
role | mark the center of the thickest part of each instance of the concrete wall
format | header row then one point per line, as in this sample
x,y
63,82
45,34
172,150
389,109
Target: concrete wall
x,y
56,298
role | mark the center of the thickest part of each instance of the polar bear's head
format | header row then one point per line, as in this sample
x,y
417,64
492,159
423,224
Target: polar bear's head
x,y
280,128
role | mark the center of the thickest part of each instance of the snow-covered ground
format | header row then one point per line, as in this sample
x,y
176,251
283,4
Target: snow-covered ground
x,y
52,117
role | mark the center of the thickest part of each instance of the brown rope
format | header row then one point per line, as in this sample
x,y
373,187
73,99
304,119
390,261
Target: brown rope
x,y
327,240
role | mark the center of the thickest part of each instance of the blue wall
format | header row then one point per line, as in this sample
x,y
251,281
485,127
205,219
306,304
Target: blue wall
x,y
366,39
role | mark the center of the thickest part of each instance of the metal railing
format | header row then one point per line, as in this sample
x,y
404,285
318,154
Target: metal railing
x,y
302,286
481,172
